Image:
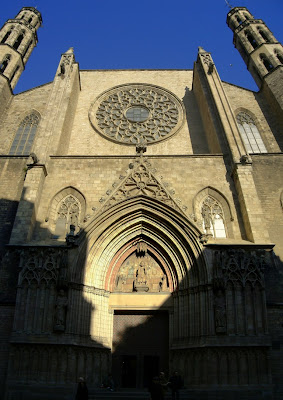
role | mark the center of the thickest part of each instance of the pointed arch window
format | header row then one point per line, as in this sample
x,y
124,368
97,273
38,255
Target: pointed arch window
x,y
252,40
19,40
250,134
239,20
5,63
268,65
263,35
68,213
6,36
213,218
24,138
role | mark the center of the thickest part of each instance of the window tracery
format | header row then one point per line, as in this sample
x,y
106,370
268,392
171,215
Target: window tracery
x,y
250,134
133,114
25,135
68,213
213,218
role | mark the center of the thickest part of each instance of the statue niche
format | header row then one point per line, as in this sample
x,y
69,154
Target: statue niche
x,y
141,274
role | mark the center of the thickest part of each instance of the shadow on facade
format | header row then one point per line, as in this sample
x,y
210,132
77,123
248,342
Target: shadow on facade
x,y
207,320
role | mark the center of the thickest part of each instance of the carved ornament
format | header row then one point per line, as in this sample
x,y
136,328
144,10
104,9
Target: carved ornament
x,y
161,114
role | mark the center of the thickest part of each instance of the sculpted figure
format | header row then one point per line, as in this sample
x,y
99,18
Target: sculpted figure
x,y
60,311
140,282
220,311
141,274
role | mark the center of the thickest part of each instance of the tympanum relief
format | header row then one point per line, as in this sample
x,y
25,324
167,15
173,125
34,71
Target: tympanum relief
x,y
141,274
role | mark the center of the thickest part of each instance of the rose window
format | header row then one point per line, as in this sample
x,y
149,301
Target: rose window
x,y
137,114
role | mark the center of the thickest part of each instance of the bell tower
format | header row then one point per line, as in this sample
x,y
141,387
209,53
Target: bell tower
x,y
260,50
18,37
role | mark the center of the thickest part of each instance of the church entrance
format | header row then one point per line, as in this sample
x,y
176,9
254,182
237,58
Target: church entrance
x,y
140,347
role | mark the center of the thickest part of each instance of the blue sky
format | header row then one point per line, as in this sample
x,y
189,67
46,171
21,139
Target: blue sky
x,y
127,34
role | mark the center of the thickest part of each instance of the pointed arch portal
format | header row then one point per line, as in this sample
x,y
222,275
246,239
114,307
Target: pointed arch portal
x,y
143,257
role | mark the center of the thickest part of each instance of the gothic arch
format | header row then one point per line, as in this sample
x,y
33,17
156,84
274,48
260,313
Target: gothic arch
x,y
26,132
51,217
113,235
244,114
217,195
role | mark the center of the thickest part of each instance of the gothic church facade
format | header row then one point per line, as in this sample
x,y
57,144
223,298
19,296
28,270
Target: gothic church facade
x,y
141,223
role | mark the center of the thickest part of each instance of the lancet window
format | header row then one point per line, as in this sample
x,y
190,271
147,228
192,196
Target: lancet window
x,y
25,135
6,36
250,134
68,213
213,218
19,40
268,65
251,39
5,63
263,35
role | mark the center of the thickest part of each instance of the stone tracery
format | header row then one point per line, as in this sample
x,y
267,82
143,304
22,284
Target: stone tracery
x,y
163,110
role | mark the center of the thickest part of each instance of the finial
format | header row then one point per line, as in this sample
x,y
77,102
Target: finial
x,y
228,4
70,51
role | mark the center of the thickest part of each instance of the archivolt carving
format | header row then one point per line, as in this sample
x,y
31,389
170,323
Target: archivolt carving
x,y
162,114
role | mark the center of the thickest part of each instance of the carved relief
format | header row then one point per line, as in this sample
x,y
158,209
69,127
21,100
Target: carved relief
x,y
239,289
60,311
40,266
159,114
240,266
141,274
141,182
220,311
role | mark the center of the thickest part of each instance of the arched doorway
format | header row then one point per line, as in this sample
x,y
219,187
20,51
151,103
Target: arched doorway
x,y
142,257
141,303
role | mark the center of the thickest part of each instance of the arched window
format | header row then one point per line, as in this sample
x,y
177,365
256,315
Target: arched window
x,y
18,40
239,20
250,134
279,56
24,138
247,16
268,65
263,35
68,213
5,63
251,39
29,20
213,218
6,36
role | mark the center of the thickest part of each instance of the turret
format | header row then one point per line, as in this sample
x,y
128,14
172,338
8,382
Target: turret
x,y
18,37
260,50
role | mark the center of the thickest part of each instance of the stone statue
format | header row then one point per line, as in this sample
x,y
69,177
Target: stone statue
x,y
60,311
220,311
140,283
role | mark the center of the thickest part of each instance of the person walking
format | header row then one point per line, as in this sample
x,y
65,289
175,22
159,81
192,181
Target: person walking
x,y
82,390
175,383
